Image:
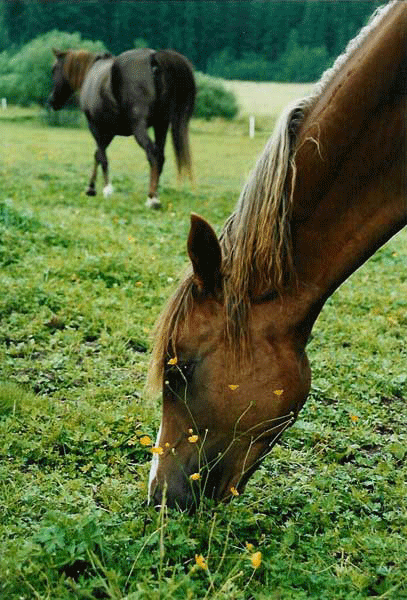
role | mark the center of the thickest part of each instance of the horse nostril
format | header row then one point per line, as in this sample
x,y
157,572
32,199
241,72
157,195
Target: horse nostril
x,y
157,497
173,496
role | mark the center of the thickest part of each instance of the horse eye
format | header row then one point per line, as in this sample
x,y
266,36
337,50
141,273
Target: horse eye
x,y
187,369
179,374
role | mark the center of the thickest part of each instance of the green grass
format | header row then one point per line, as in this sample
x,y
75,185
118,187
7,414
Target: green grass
x,y
83,280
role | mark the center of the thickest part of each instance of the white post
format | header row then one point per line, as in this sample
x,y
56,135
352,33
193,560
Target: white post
x,y
4,103
252,122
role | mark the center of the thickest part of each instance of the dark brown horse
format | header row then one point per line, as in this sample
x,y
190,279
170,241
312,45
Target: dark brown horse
x,y
125,95
328,191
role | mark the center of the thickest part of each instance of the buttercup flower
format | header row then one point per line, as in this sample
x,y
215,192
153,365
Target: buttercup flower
x,y
157,450
201,562
256,560
145,440
173,361
234,491
195,476
193,439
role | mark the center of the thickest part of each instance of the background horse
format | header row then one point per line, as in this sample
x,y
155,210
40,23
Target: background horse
x,y
328,191
125,95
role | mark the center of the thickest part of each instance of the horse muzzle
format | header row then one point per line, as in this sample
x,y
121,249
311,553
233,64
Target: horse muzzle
x,y
52,103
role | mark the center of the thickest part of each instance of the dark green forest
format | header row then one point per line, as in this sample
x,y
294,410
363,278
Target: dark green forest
x,y
286,40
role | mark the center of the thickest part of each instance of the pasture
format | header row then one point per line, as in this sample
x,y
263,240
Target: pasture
x,y
83,280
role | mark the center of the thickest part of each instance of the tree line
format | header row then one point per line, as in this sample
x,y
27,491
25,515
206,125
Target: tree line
x,y
246,39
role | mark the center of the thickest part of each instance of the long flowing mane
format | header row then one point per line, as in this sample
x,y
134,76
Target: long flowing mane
x,y
256,238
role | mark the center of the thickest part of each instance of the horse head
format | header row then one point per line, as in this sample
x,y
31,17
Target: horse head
x,y
68,72
62,90
227,395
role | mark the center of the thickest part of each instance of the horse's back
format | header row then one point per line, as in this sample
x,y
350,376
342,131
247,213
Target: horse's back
x,y
133,80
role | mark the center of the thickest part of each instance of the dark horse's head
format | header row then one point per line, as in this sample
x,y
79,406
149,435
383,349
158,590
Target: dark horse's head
x,y
62,89
68,73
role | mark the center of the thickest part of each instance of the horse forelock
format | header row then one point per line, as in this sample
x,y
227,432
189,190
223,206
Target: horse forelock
x,y
76,65
256,238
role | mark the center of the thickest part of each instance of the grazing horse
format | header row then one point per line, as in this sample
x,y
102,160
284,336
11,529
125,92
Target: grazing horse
x,y
125,95
329,189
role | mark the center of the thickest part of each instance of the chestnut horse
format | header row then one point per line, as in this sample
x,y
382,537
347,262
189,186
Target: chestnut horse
x,y
329,189
125,95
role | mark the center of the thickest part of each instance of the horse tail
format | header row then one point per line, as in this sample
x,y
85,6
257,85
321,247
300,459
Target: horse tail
x,y
178,91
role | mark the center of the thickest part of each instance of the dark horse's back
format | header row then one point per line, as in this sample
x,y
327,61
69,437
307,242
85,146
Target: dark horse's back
x,y
140,83
154,83
133,82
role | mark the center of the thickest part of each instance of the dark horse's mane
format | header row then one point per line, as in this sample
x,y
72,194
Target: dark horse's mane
x,y
256,238
78,62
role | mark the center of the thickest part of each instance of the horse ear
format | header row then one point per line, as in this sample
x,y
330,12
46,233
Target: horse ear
x,y
205,254
59,53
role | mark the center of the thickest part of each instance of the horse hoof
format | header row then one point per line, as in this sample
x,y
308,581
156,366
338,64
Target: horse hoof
x,y
153,202
91,192
107,191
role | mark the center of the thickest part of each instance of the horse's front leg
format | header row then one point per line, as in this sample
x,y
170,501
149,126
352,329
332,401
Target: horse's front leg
x,y
102,159
102,142
143,139
91,191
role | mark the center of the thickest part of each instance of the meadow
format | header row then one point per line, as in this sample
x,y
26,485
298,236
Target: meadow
x,y
83,280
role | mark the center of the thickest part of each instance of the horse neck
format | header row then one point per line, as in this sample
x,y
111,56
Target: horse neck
x,y
350,192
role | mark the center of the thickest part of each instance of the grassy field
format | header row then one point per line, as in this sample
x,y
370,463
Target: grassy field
x,y
266,98
83,280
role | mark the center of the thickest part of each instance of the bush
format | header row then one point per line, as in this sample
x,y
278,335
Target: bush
x,y
213,100
25,77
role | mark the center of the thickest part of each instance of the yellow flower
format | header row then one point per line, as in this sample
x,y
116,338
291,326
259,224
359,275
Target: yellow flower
x,y
278,392
173,361
234,491
354,418
195,476
233,386
193,439
201,562
256,560
157,450
249,546
145,440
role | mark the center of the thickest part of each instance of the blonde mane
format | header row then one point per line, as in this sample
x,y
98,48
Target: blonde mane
x,y
256,238
76,64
